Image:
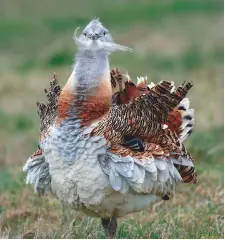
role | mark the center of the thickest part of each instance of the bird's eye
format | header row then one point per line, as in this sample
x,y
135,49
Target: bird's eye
x,y
85,34
104,33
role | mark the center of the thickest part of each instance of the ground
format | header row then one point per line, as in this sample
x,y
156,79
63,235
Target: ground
x,y
173,40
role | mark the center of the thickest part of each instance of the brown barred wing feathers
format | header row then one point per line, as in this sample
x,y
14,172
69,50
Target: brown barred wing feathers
x,y
143,112
144,116
48,112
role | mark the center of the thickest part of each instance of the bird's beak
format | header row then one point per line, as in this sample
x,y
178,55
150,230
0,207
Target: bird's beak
x,y
94,37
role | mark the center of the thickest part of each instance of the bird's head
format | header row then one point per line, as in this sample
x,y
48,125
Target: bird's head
x,y
95,36
96,31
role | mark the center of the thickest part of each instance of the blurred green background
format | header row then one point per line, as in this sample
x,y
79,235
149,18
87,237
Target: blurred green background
x,y
172,40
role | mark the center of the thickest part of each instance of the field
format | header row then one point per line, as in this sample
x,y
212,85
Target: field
x,y
179,40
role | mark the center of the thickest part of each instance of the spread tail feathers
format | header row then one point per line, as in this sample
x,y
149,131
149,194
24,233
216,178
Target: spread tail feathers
x,y
181,120
187,115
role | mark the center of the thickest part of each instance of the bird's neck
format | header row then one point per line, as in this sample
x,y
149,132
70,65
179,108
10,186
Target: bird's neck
x,y
87,94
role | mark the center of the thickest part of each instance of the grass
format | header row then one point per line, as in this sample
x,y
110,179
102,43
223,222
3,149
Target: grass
x,y
174,39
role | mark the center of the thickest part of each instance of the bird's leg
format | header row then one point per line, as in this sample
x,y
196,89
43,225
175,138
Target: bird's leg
x,y
109,226
112,227
105,224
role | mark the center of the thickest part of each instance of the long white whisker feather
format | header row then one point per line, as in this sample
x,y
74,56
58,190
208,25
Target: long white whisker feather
x,y
111,46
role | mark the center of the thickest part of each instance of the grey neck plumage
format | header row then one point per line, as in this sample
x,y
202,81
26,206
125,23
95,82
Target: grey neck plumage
x,y
90,66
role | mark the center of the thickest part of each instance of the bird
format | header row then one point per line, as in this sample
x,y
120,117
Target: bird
x,y
108,145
